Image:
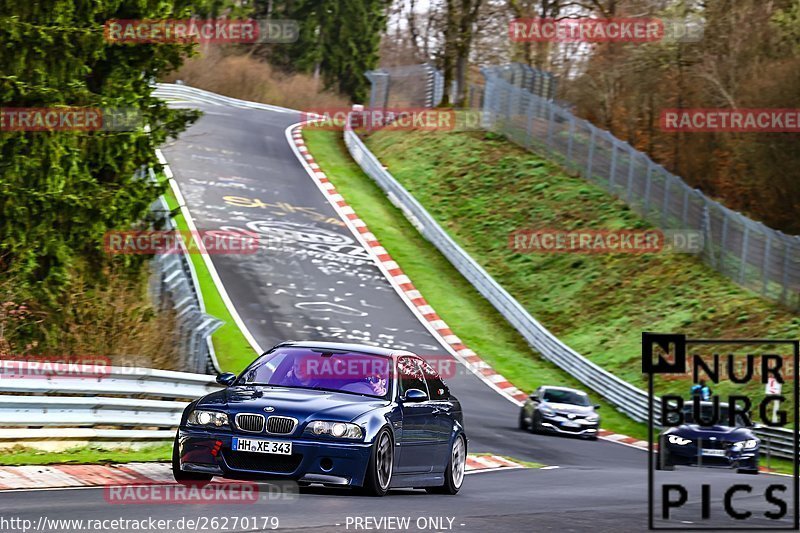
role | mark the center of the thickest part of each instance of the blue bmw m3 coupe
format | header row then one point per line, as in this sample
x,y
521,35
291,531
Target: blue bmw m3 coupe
x,y
330,413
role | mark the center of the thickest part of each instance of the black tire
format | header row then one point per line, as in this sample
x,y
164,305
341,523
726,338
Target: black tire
x,y
186,478
522,424
377,479
536,423
454,473
663,463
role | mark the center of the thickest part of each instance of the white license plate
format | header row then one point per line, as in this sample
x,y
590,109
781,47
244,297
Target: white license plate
x,y
261,446
570,424
714,453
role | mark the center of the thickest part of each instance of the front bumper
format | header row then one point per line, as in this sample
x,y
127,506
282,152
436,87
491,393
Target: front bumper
x,y
689,455
565,426
331,463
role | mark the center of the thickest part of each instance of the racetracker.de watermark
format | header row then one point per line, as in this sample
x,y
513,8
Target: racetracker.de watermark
x,y
371,119
211,242
605,241
211,31
54,119
44,367
590,30
731,120
192,493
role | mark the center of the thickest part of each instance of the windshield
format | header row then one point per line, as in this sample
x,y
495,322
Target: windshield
x,y
321,369
707,415
566,396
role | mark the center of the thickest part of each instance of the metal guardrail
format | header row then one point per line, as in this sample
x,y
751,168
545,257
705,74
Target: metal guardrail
x,y
173,91
75,401
626,397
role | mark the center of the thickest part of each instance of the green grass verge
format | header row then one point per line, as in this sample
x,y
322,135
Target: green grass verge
x,y
232,349
20,455
470,316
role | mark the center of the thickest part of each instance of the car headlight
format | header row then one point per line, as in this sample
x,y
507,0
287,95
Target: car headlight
x,y
680,441
546,411
593,418
746,444
198,417
339,430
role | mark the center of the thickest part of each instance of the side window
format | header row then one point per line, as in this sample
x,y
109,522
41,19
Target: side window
x,y
436,387
410,375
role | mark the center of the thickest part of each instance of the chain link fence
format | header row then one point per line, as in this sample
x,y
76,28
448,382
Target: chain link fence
x,y
753,255
410,86
518,101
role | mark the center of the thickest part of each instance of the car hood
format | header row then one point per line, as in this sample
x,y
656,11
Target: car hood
x,y
725,433
302,404
570,408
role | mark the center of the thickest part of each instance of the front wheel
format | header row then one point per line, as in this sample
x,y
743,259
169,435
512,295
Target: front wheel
x,y
454,474
522,424
536,423
380,467
186,478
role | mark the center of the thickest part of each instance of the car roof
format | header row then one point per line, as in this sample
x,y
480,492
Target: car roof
x,y
350,347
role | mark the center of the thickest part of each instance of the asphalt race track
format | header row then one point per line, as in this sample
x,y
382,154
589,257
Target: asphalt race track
x,y
312,280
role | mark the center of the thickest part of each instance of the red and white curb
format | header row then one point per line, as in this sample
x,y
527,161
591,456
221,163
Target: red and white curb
x,y
485,463
623,439
66,476
396,276
406,288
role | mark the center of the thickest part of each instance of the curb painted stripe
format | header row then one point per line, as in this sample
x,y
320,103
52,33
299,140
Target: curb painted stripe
x,y
85,476
406,288
398,278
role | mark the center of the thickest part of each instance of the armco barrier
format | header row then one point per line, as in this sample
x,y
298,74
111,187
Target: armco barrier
x,y
170,91
626,398
75,402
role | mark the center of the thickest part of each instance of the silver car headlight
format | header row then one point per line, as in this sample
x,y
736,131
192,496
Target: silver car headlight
x,y
678,440
339,430
593,418
746,444
546,411
199,417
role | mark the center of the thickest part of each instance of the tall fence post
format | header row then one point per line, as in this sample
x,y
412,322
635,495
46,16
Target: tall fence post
x,y
612,175
590,156
632,161
743,256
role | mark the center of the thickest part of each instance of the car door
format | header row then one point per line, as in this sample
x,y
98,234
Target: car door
x,y
418,439
444,412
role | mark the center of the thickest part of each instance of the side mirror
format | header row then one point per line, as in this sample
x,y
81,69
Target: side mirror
x,y
226,379
597,406
415,395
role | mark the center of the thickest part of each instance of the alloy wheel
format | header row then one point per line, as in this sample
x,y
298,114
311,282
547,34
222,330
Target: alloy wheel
x,y
458,462
384,459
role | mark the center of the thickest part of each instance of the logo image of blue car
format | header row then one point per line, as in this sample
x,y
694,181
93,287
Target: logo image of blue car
x,y
715,445
336,414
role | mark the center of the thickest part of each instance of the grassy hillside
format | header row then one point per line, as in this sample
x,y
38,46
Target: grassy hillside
x,y
481,188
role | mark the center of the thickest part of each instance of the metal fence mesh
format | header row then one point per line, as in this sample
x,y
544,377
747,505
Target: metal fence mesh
x,y
408,86
753,255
